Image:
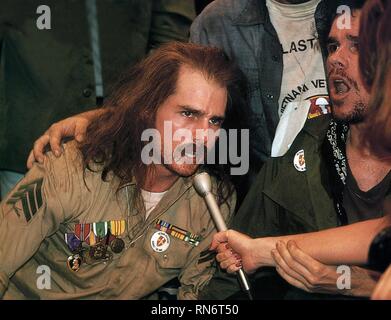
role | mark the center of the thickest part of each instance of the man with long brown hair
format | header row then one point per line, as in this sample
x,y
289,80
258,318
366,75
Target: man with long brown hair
x,y
101,222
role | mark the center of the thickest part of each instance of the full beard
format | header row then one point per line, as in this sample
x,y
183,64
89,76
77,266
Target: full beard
x,y
182,170
186,159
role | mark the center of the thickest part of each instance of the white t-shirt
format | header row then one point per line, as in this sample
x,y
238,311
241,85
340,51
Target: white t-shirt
x,y
151,199
304,88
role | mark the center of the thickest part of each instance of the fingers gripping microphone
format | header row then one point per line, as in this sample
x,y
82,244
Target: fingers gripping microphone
x,y
203,185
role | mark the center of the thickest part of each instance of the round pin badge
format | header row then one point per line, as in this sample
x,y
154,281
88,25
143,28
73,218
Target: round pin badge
x,y
160,241
299,161
74,262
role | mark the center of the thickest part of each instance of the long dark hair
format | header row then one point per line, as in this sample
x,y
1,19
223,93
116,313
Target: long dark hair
x,y
114,138
375,66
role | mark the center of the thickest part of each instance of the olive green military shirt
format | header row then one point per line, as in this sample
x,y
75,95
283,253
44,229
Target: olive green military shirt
x,y
54,198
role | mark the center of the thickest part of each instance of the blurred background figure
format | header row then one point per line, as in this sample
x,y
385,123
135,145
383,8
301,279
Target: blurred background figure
x,y
61,58
375,63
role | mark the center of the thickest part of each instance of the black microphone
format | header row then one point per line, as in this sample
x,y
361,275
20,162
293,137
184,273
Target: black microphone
x,y
203,185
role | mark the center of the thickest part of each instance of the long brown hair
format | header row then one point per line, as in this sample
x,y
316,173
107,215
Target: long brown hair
x,y
375,66
114,138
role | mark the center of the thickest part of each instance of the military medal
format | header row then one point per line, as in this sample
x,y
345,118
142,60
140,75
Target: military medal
x,y
299,161
91,239
73,242
100,229
178,233
82,231
160,241
98,252
74,262
99,236
117,245
117,227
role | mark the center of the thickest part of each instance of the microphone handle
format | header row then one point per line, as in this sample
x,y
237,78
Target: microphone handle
x,y
215,212
221,226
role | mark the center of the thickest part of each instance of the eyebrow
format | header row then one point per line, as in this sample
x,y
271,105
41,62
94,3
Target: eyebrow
x,y
352,38
331,40
199,112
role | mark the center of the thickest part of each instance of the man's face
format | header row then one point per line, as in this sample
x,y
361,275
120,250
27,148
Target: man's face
x,y
347,92
197,104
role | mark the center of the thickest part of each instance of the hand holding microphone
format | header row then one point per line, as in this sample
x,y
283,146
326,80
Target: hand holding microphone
x,y
203,185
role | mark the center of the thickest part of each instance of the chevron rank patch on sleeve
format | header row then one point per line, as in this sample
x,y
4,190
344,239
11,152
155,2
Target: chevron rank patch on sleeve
x,y
206,256
27,199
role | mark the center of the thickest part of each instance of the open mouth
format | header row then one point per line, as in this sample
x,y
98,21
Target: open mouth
x,y
189,151
341,86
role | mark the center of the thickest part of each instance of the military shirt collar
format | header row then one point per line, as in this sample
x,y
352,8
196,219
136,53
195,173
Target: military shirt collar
x,y
175,192
132,182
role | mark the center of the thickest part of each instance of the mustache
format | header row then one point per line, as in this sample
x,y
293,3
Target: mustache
x,y
196,148
340,72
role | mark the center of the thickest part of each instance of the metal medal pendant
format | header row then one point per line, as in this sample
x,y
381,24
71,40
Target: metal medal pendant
x,y
98,252
74,262
117,245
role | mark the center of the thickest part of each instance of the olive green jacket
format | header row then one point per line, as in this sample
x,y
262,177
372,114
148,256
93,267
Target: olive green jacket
x,y
56,198
284,201
47,75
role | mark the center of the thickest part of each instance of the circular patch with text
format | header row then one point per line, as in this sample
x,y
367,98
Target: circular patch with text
x,y
160,241
299,161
